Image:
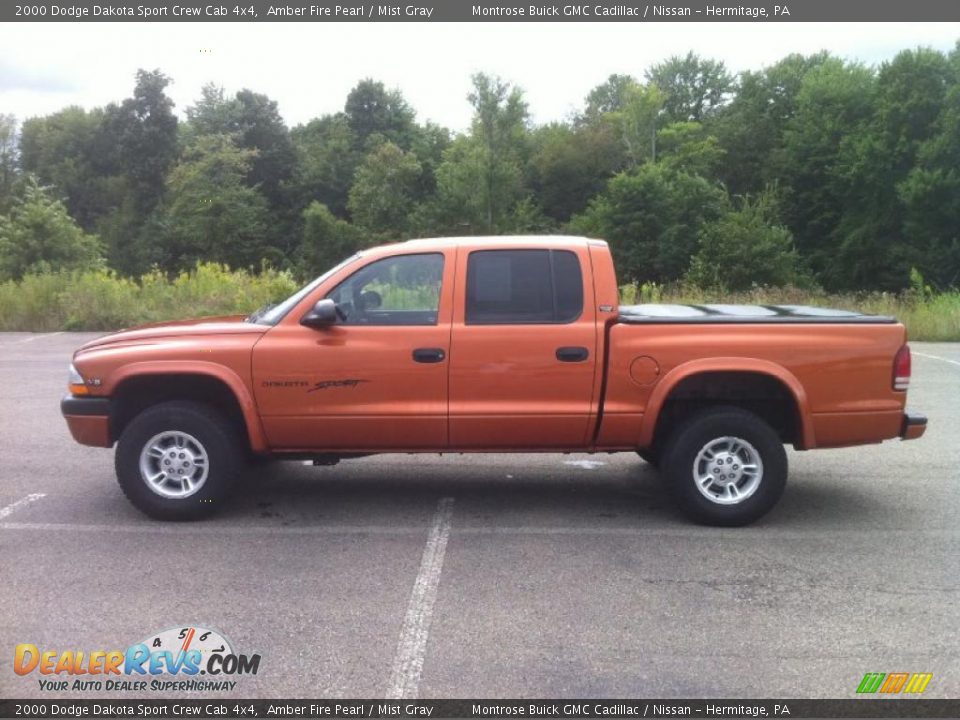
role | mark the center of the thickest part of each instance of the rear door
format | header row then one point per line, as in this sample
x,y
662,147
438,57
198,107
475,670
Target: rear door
x,y
523,349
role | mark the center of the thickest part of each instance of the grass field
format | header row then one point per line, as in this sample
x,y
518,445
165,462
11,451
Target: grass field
x,y
104,301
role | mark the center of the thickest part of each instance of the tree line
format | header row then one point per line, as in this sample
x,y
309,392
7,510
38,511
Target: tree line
x,y
814,171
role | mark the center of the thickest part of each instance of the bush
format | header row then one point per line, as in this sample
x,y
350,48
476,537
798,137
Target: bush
x,y
327,240
97,301
651,217
32,304
102,300
745,247
39,236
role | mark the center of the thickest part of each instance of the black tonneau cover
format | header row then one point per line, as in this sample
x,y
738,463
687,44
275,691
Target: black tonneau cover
x,y
696,314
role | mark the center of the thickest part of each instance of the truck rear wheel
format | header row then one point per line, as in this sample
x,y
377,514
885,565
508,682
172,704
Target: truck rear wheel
x,y
178,460
725,466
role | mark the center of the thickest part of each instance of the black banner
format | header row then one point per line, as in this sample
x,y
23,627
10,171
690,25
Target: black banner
x,y
478,10
481,709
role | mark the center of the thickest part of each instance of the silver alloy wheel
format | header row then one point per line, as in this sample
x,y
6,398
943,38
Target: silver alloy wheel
x,y
174,464
727,470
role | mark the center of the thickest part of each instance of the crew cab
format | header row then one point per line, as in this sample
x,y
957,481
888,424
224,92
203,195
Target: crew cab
x,y
498,345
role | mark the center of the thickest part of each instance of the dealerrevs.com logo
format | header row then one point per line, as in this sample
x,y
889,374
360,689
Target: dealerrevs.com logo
x,y
178,659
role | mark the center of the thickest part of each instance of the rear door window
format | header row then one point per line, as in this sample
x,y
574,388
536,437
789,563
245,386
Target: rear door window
x,y
506,287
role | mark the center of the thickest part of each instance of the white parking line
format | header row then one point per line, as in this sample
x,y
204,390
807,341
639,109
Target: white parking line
x,y
935,357
36,337
12,508
412,646
213,529
585,464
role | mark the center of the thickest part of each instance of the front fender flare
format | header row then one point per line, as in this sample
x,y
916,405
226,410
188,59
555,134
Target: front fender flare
x,y
248,407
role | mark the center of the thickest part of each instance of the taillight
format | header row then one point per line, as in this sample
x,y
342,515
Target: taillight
x,y
901,369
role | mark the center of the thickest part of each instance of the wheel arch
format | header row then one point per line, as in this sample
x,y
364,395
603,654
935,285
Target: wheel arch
x,y
135,387
701,370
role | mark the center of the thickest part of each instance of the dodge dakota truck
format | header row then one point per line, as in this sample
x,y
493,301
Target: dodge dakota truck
x,y
506,344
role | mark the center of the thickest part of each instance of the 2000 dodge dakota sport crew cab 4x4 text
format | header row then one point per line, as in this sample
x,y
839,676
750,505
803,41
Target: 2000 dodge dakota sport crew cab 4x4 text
x,y
510,344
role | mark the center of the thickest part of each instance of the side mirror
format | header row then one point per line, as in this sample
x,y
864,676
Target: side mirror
x,y
323,314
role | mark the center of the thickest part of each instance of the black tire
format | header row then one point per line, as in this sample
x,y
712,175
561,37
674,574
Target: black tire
x,y
680,462
219,440
650,456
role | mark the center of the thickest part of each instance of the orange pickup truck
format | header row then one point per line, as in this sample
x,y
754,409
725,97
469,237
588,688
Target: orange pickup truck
x,y
507,344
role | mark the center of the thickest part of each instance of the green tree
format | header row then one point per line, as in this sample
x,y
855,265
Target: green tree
x,y
693,88
688,147
931,193
262,129
746,246
569,165
461,204
69,151
38,235
931,199
141,148
327,159
480,180
326,240
254,121
385,189
751,127
873,249
651,216
9,169
213,114
427,145
499,130
607,97
144,130
371,109
833,105
211,213
638,121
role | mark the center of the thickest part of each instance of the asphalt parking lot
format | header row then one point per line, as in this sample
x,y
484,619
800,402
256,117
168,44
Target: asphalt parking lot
x,y
492,576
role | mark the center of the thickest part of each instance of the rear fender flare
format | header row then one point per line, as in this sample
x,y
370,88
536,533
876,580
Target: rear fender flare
x,y
727,364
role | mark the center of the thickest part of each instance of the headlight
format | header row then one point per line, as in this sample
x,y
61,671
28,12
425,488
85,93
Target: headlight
x,y
76,382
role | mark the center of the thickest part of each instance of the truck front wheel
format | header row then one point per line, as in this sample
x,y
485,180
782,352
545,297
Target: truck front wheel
x,y
650,455
178,460
725,466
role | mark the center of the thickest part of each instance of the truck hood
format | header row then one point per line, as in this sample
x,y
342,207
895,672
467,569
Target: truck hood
x,y
145,334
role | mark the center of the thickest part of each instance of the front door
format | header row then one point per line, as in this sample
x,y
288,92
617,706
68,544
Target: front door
x,y
375,380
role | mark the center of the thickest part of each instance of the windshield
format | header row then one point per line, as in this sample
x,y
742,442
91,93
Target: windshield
x,y
271,315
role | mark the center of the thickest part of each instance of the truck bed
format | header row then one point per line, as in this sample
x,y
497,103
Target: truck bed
x,y
721,313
